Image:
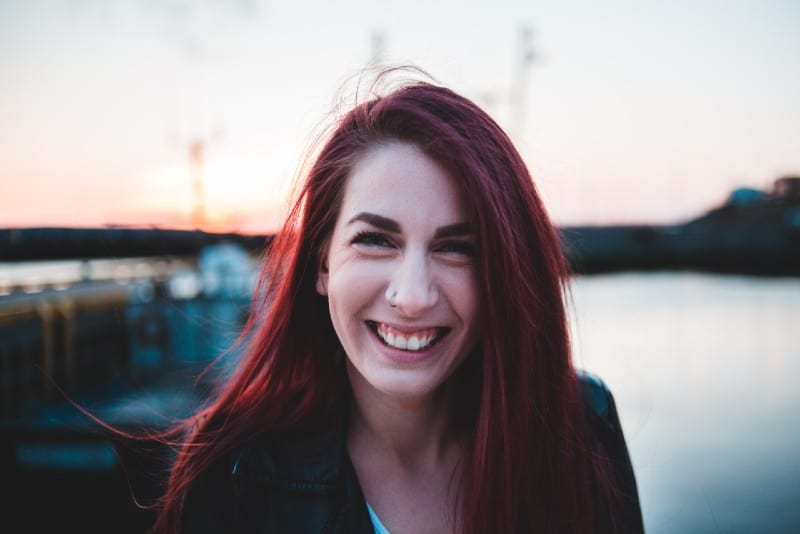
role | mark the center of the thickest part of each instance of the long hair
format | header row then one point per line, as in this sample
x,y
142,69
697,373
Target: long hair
x,y
527,466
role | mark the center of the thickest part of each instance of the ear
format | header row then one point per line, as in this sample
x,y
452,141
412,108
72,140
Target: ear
x,y
322,280
322,274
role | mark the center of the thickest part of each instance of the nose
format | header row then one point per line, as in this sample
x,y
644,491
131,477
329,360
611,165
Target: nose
x,y
412,289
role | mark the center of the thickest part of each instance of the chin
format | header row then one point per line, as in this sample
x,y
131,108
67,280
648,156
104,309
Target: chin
x,y
407,387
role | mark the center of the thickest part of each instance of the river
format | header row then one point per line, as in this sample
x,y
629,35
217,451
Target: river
x,y
703,369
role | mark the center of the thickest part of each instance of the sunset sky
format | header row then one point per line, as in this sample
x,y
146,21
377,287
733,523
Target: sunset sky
x,y
645,111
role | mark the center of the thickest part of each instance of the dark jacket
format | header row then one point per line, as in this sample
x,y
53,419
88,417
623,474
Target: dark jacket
x,y
305,483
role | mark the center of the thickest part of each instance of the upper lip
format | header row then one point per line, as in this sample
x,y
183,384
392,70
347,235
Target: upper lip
x,y
408,328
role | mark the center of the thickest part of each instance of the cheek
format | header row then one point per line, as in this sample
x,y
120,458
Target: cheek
x,y
462,290
471,307
352,287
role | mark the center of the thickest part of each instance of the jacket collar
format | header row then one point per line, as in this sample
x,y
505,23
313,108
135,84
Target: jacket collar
x,y
307,460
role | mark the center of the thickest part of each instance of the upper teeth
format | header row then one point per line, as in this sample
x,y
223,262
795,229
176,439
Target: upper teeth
x,y
401,340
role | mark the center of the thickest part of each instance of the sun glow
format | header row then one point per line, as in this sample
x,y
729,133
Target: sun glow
x,y
228,192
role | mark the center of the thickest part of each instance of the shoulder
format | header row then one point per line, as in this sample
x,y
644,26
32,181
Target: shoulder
x,y
287,481
210,503
609,441
598,400
309,459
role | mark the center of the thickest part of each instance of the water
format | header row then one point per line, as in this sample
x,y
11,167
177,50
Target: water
x,y
36,276
705,372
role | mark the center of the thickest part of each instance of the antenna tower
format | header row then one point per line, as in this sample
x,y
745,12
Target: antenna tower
x,y
524,57
196,152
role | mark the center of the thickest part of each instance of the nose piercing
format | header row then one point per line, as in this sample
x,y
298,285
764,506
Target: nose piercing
x,y
391,299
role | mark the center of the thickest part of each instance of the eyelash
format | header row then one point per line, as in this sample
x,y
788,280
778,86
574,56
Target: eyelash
x,y
376,239
371,239
464,248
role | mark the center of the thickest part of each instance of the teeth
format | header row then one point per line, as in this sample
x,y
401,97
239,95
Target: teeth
x,y
417,341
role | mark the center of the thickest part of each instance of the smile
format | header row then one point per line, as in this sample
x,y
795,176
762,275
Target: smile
x,y
410,341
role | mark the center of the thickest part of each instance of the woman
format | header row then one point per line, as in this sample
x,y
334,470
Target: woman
x,y
408,366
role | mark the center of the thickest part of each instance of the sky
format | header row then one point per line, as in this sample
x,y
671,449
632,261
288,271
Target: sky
x,y
630,112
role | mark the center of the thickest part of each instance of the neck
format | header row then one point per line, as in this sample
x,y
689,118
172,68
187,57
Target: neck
x,y
414,431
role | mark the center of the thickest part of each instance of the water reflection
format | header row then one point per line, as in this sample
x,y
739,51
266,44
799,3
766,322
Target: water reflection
x,y
704,370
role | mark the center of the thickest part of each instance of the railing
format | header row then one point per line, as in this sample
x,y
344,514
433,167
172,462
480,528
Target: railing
x,y
73,340
756,241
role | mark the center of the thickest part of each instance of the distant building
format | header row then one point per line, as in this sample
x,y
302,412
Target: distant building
x,y
787,189
747,196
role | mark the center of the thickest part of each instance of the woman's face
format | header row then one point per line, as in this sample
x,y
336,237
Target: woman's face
x,y
400,273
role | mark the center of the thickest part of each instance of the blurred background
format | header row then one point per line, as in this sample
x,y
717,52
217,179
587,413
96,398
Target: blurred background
x,y
147,153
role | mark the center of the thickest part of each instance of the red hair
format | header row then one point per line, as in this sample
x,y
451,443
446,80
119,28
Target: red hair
x,y
527,466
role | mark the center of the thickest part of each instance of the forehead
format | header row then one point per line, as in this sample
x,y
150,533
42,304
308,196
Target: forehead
x,y
398,180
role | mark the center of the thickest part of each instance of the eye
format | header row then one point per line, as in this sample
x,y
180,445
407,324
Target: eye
x,y
372,240
465,249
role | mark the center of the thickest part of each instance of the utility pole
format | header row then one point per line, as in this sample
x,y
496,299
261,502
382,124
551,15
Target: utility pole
x,y
524,57
377,48
196,152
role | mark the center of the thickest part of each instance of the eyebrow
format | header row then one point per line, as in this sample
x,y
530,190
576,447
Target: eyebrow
x,y
390,225
453,230
378,221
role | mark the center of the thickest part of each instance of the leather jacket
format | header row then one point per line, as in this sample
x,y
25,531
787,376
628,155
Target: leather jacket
x,y
305,483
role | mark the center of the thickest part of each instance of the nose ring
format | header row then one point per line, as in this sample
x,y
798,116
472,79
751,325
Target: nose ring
x,y
392,303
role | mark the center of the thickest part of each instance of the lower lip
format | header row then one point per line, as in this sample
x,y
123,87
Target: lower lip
x,y
404,356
